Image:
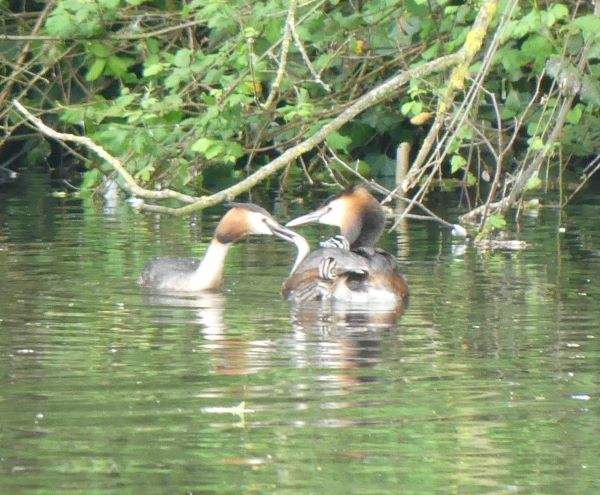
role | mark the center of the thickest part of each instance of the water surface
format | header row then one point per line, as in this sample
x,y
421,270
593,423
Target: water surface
x,y
489,382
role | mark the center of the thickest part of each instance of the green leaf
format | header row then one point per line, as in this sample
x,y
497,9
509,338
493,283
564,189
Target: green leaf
x,y
537,48
471,179
73,115
496,221
60,23
590,90
432,52
154,69
210,148
457,163
117,65
145,173
91,178
574,115
529,23
406,107
536,143
589,25
533,183
100,50
110,4
96,69
202,144
183,57
153,45
559,11
338,142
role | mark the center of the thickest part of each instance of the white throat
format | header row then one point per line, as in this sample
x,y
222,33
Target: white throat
x,y
209,275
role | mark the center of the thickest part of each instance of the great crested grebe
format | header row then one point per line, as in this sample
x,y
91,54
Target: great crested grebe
x,y
190,274
355,270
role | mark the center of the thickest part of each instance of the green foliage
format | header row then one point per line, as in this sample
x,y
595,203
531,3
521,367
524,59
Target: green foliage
x,y
176,89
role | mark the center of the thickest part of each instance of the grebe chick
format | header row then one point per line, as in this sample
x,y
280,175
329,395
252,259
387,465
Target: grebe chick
x,y
189,274
355,271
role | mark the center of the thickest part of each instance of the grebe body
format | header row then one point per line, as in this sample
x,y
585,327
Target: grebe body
x,y
189,274
356,271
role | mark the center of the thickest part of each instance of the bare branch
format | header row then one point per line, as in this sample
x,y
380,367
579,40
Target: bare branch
x,y
131,184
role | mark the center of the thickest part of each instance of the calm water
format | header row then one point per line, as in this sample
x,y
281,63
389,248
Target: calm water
x,y
489,383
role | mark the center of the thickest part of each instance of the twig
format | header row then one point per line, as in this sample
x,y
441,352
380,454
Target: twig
x,y
138,36
470,48
131,184
25,51
285,46
307,61
587,175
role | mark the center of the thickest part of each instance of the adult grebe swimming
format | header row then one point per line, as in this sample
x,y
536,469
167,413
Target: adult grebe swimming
x,y
190,274
355,271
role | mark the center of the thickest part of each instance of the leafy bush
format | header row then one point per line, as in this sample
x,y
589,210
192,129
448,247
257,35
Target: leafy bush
x,y
180,90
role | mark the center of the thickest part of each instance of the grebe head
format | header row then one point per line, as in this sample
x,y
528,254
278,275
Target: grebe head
x,y
355,211
245,219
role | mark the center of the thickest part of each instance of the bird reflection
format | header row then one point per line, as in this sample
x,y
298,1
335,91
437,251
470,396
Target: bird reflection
x,y
339,317
347,339
336,337
229,355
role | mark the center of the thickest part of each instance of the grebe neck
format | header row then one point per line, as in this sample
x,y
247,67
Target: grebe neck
x,y
209,274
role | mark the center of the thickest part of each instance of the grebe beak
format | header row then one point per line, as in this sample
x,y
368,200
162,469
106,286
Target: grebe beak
x,y
312,217
280,231
290,236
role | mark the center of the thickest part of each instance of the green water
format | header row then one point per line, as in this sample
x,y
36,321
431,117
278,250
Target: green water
x,y
489,383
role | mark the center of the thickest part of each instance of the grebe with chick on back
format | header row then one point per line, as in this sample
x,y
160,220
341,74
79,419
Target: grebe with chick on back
x,y
349,269
190,274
